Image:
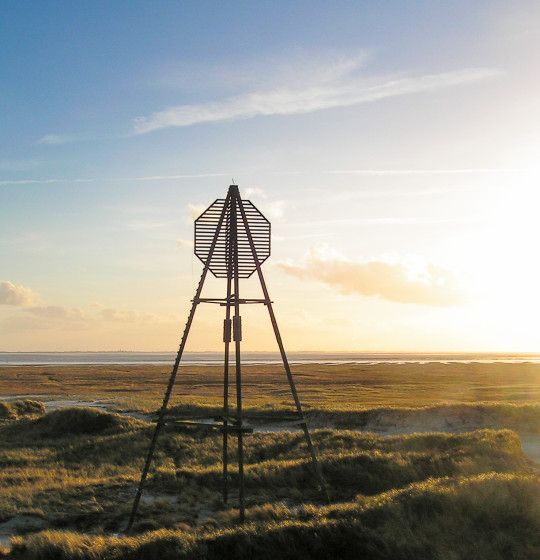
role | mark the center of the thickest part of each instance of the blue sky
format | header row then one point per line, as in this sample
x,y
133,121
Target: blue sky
x,y
387,143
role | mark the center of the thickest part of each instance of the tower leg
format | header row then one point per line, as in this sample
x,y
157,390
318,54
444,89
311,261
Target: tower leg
x,y
290,378
227,329
161,417
292,385
172,378
237,337
239,420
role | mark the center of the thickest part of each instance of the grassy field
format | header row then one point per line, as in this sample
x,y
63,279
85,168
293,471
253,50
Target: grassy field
x,y
71,473
490,517
344,386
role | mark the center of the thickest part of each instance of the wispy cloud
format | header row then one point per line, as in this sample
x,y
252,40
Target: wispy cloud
x,y
16,295
26,323
385,172
149,178
431,285
256,191
45,181
385,221
343,89
195,210
59,317
367,194
272,208
58,312
47,317
18,164
58,139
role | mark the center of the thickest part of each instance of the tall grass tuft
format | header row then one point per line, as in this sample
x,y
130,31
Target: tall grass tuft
x,y
488,517
14,410
75,421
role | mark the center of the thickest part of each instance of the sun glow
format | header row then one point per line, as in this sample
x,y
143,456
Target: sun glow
x,y
500,264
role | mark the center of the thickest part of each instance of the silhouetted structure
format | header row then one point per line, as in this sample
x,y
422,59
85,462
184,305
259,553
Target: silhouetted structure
x,y
232,239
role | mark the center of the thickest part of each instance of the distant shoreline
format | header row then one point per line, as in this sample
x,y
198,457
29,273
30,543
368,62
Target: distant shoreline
x,y
209,358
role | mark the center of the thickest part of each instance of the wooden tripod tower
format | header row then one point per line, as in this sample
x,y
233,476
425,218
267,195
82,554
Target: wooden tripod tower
x,y
232,239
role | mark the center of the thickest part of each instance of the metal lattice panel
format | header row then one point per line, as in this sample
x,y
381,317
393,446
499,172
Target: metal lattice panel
x,y
221,263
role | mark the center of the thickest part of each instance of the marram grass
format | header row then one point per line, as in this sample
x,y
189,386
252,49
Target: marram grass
x,y
13,410
424,495
488,517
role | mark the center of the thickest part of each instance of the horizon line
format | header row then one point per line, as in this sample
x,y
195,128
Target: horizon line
x,y
395,352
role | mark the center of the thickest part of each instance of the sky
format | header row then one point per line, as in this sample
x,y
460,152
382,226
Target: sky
x,y
394,147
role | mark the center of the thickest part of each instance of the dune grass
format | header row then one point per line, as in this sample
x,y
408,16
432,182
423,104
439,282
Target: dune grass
x,y
423,495
352,463
521,417
488,517
79,467
13,410
53,466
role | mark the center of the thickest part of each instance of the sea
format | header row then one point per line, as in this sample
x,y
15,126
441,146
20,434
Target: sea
x,y
209,358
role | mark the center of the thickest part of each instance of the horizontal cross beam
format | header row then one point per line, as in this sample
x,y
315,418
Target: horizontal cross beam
x,y
223,301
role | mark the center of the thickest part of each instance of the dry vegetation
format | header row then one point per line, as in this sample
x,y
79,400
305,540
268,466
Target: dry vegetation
x,y
20,409
421,495
489,517
346,386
